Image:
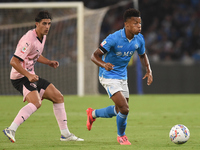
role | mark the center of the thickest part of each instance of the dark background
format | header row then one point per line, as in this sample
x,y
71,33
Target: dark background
x,y
171,29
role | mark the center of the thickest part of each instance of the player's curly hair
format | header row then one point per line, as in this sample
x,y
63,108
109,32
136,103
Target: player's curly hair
x,y
43,15
131,12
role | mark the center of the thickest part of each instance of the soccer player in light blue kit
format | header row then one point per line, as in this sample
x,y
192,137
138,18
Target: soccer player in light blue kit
x,y
112,57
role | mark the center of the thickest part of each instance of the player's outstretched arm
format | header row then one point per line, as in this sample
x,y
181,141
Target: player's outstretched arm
x,y
97,59
145,63
51,63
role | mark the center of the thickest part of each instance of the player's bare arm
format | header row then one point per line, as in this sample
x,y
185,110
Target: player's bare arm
x,y
46,61
16,63
97,59
145,63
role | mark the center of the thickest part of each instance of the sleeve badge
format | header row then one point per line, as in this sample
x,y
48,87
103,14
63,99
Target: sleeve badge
x,y
103,43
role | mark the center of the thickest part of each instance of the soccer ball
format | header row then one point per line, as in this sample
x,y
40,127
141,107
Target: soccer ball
x,y
179,134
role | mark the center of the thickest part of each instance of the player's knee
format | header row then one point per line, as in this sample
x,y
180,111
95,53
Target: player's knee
x,y
34,99
58,98
124,110
37,104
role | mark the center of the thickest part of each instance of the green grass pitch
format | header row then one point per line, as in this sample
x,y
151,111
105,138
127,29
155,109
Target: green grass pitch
x,y
149,122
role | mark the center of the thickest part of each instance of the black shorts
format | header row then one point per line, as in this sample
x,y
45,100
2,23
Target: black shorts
x,y
24,86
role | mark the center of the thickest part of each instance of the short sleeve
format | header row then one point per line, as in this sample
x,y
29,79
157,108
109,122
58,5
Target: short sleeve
x,y
107,43
23,49
141,49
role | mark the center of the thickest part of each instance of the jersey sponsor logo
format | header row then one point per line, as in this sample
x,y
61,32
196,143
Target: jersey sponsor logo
x,y
103,43
128,53
119,53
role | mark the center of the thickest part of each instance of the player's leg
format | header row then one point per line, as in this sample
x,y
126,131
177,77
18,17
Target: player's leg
x,y
116,107
111,86
107,112
121,118
53,94
34,102
92,114
121,103
118,91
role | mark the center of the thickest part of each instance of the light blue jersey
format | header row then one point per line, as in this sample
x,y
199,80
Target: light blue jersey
x,y
118,51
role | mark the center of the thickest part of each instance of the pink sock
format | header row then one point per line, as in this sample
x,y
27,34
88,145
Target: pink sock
x,y
60,114
23,114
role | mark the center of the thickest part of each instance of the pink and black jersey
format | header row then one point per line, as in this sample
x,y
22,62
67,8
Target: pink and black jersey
x,y
28,50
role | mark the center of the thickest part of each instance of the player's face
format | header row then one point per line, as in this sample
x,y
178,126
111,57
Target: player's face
x,y
43,26
133,25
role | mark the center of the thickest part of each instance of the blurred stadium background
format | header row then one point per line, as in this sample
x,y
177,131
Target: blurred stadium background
x,y
171,29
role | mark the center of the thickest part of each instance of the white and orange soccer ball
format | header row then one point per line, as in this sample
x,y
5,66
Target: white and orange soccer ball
x,y
179,134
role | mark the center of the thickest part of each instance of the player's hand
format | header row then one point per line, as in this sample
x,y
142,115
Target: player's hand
x,y
108,66
149,77
54,64
33,78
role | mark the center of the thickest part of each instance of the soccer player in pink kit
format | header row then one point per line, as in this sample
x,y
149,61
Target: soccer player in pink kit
x,y
31,86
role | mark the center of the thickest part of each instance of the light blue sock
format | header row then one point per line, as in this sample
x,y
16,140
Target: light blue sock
x,y
107,112
121,120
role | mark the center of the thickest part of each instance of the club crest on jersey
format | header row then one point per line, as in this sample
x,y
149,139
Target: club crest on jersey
x,y
103,43
136,46
23,49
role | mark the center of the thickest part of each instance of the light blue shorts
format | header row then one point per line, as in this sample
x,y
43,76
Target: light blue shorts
x,y
113,86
